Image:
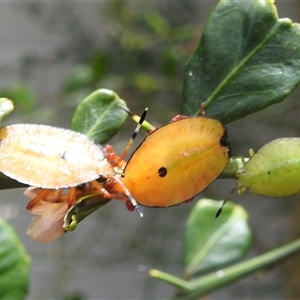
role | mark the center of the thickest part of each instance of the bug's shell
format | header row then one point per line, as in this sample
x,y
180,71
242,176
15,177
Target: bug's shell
x,y
177,161
50,157
274,170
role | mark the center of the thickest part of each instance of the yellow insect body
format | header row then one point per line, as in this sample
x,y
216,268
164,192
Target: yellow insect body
x,y
274,170
177,161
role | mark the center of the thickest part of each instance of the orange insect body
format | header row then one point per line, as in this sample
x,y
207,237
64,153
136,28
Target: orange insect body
x,y
50,157
177,161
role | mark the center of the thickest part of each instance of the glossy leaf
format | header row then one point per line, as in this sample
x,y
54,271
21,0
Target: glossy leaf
x,y
246,60
6,107
211,243
14,265
99,116
82,208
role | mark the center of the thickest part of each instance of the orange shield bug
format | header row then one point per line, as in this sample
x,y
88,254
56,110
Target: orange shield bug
x,y
274,170
177,161
54,158
50,157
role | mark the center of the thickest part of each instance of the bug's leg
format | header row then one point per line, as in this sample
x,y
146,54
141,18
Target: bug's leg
x,y
114,188
125,151
100,189
251,152
38,198
236,165
112,157
129,205
110,153
119,191
226,200
127,193
71,196
189,200
200,112
178,117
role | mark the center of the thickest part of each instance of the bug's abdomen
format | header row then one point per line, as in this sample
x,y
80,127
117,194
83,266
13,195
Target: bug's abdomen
x,y
274,170
177,161
50,157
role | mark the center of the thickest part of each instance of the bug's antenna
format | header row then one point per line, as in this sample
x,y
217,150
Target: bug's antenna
x,y
130,113
137,119
220,209
139,125
225,201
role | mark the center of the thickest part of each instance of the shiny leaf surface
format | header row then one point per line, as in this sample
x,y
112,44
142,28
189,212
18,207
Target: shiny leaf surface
x,y
14,265
211,243
99,115
246,60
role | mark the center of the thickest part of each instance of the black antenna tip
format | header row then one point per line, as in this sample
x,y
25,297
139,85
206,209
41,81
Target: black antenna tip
x,y
130,113
143,116
219,212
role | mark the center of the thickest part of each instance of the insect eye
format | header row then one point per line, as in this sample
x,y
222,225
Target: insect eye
x,y
162,172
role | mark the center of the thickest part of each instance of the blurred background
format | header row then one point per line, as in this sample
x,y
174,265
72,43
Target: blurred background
x,y
53,54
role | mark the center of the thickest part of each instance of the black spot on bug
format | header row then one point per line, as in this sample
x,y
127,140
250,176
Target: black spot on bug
x,y
269,172
63,155
162,172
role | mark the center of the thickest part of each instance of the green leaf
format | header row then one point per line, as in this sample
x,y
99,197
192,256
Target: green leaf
x,y
144,82
211,243
81,209
80,78
22,96
171,60
6,107
246,60
99,116
14,265
99,64
157,23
